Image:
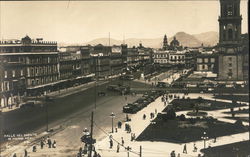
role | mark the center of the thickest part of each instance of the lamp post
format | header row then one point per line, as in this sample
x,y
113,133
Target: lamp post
x,y
204,137
46,108
112,115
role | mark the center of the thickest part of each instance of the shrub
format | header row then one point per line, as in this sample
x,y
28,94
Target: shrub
x,y
171,114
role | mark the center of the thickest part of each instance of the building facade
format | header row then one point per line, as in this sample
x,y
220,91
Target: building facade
x,y
230,43
26,64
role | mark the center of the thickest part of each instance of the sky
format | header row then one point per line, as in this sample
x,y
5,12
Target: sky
x,y
83,21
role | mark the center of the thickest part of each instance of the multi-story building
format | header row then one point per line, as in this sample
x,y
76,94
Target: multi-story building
x,y
161,57
231,58
130,56
177,58
207,62
190,58
116,62
27,66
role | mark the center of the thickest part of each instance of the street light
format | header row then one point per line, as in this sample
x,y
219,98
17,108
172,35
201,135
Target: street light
x,y
112,117
204,137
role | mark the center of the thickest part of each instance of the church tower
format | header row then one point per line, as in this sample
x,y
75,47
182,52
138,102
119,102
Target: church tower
x,y
230,46
230,26
165,42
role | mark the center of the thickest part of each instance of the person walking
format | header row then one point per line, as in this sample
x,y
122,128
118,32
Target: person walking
x,y
111,144
185,149
144,116
119,124
172,154
25,153
34,148
122,141
54,144
14,155
195,148
118,148
49,142
41,144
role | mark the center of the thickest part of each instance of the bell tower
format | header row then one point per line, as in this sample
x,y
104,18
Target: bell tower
x,y
229,26
230,57
165,42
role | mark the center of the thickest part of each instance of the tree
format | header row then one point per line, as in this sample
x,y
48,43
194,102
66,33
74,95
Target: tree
x,y
171,114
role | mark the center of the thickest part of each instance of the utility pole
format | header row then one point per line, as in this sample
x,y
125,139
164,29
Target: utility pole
x,y
140,151
91,134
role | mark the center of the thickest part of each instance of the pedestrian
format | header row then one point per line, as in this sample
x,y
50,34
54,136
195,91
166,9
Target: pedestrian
x,y
185,149
14,155
85,149
127,118
98,155
122,141
195,148
144,116
49,142
110,143
118,148
116,129
54,144
95,154
179,155
119,124
172,154
25,153
132,137
155,111
34,148
214,139
80,152
41,144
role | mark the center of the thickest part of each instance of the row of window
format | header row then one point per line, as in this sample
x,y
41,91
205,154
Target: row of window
x,y
42,70
13,73
42,80
205,60
42,60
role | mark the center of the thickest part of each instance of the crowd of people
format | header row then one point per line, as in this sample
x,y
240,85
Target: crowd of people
x,y
43,143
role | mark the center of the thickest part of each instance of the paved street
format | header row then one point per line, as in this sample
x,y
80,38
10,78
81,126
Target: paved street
x,y
68,141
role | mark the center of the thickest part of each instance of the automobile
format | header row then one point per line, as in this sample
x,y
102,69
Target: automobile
x,y
27,104
130,108
210,89
112,87
129,77
162,85
101,93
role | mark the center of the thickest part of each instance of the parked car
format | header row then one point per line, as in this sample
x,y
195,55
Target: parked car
x,y
163,85
101,93
27,104
130,108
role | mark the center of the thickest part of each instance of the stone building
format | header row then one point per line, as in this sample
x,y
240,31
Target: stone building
x,y
27,66
231,58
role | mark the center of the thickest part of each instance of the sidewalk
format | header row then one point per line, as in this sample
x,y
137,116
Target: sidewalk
x,y
161,149
167,77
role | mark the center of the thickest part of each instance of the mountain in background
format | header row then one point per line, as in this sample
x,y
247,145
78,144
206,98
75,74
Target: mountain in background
x,y
208,38
185,39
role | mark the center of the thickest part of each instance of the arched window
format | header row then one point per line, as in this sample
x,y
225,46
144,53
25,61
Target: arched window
x,y
230,34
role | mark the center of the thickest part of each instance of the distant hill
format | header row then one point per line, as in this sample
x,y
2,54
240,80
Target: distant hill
x,y
185,39
208,38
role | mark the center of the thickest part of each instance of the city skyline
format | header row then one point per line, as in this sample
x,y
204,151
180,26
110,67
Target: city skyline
x,y
80,22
